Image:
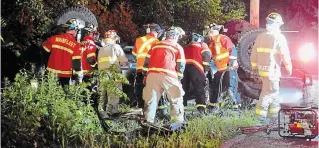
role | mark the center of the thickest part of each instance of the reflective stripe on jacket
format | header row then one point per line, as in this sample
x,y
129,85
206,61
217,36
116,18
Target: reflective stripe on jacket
x,y
166,56
64,49
141,48
88,50
111,53
221,51
267,54
194,55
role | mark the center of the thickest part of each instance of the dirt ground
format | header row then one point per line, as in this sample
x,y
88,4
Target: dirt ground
x,y
262,140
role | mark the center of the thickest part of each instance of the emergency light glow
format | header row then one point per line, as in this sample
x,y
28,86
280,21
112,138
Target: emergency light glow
x,y
307,52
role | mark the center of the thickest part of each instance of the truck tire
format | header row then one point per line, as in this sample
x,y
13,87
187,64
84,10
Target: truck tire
x,y
234,28
249,85
81,13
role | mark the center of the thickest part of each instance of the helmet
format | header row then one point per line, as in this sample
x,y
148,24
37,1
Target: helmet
x,y
274,18
71,24
90,28
175,32
196,37
111,35
212,29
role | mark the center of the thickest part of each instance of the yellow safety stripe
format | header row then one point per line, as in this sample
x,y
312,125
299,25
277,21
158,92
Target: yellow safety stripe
x,y
196,63
213,104
46,49
59,71
140,67
222,68
63,48
263,73
94,64
267,50
274,110
90,55
134,53
148,56
107,59
164,70
235,106
147,43
261,112
180,60
141,55
217,47
221,56
205,63
201,105
76,57
204,51
253,64
165,46
145,69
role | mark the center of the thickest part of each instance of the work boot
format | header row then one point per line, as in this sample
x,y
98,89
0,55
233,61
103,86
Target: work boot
x,y
201,110
103,114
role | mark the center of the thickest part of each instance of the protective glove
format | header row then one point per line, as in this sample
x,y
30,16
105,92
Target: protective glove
x,y
144,80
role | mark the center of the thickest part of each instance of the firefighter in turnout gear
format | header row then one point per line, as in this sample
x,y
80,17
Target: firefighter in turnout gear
x,y
65,57
224,55
165,76
88,51
269,51
140,50
198,56
110,54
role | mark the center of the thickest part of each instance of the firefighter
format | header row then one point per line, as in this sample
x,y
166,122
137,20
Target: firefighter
x,y
140,50
269,51
197,55
88,52
224,57
165,76
110,54
65,53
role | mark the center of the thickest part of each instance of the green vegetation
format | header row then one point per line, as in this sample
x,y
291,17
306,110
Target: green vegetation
x,y
39,112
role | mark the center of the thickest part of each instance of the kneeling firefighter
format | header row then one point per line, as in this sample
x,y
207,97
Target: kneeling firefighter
x,y
110,54
224,55
269,50
197,55
165,76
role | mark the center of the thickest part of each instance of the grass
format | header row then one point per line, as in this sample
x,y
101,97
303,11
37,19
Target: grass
x,y
206,131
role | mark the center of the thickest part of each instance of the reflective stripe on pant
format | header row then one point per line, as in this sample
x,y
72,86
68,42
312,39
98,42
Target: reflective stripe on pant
x,y
192,76
214,85
156,83
233,86
269,101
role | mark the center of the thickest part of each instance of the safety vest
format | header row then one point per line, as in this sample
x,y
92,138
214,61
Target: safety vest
x,y
220,54
193,55
266,54
141,48
64,49
169,53
110,54
88,50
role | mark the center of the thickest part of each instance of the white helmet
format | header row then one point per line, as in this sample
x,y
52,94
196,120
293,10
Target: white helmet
x,y
274,18
176,32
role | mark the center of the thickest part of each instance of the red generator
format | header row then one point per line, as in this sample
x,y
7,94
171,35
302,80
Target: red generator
x,y
298,122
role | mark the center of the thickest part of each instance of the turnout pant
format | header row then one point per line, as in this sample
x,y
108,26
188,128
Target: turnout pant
x,y
156,84
138,89
269,101
194,77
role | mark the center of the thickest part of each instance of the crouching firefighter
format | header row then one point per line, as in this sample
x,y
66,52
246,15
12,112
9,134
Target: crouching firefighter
x,y
65,53
224,58
110,54
197,55
269,51
140,50
88,51
165,76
